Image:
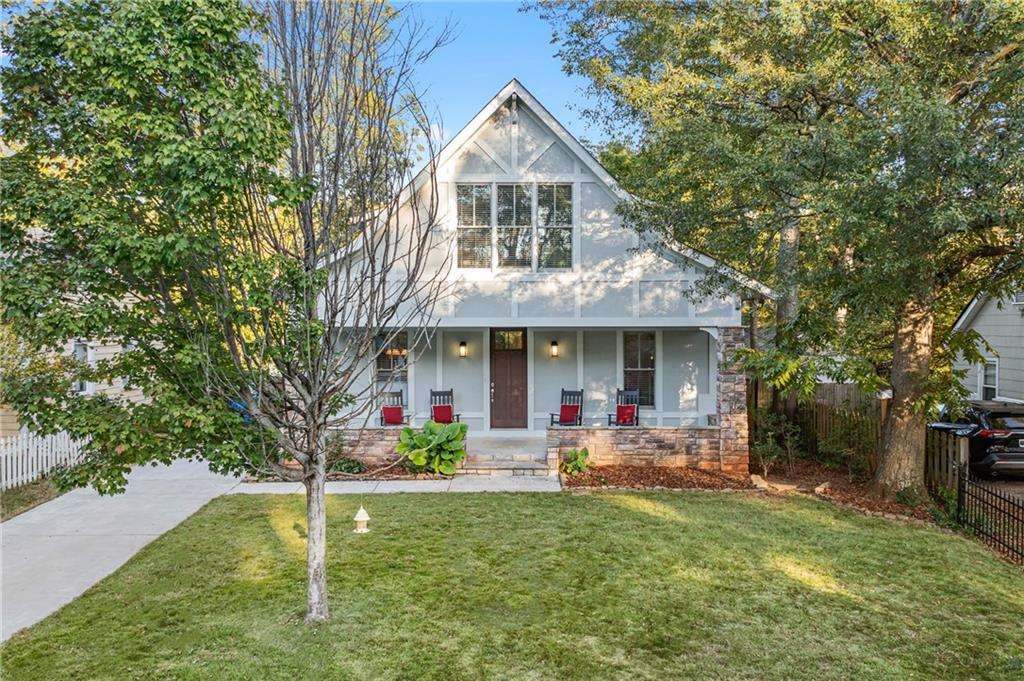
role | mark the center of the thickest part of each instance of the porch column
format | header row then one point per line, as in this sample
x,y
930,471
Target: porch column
x,y
732,402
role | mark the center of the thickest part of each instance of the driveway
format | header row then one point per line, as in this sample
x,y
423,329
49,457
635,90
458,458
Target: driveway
x,y
1014,486
54,552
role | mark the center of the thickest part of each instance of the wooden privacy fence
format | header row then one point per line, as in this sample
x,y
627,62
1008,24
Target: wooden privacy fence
x,y
27,457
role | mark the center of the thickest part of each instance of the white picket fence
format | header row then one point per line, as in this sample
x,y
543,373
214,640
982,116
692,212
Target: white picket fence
x,y
26,457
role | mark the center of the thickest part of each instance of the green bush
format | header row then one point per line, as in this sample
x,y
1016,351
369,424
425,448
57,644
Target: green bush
x,y
348,465
438,447
776,439
575,462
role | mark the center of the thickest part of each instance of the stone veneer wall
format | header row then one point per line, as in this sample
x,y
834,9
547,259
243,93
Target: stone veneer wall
x,y
372,446
721,445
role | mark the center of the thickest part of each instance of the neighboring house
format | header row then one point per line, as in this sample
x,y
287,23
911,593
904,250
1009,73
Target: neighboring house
x,y
1001,323
86,351
551,291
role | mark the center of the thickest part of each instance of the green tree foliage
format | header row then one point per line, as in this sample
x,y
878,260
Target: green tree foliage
x,y
138,129
864,158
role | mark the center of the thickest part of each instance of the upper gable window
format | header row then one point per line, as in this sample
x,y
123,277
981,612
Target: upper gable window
x,y
531,226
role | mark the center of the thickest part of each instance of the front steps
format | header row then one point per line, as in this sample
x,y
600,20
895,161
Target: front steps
x,y
504,464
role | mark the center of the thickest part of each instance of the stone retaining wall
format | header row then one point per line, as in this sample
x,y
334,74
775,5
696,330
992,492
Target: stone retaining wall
x,y
373,446
684,446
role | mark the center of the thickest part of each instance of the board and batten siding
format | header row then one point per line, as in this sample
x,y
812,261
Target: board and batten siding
x,y
1004,331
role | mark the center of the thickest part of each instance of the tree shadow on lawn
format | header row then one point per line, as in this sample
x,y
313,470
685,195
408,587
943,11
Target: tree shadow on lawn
x,y
600,585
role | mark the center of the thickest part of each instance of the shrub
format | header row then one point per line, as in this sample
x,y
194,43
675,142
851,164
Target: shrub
x,y
575,462
776,438
438,447
347,464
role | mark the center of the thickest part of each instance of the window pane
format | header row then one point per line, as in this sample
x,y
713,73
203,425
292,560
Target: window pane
x,y
630,350
555,247
514,246
508,340
988,393
990,373
642,380
638,349
474,247
545,204
563,204
474,204
514,205
646,350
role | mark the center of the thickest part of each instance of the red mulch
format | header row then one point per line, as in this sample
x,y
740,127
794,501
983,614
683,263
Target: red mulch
x,y
647,477
843,487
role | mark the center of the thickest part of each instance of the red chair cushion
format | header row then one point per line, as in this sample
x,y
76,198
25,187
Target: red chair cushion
x,y
568,413
441,413
392,415
625,414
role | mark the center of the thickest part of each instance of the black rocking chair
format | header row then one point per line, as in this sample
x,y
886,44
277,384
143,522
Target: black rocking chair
x,y
392,410
442,407
624,415
570,412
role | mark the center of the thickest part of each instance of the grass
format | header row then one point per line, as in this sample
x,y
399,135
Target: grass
x,y
20,499
604,585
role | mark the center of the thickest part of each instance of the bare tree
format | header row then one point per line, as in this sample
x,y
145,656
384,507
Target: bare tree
x,y
356,255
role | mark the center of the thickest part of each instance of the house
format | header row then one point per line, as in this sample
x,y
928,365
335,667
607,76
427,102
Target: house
x,y
1001,323
551,292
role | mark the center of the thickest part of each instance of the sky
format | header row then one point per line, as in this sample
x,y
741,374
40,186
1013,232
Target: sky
x,y
494,42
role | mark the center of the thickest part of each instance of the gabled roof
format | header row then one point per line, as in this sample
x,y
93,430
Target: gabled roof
x,y
514,87
969,313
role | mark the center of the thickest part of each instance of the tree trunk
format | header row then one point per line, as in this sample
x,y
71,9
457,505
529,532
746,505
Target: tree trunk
x,y
902,458
788,301
316,545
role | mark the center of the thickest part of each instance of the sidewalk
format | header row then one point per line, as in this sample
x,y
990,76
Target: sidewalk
x,y
51,554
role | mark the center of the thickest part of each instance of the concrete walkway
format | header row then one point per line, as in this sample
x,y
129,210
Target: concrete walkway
x,y
51,554
54,552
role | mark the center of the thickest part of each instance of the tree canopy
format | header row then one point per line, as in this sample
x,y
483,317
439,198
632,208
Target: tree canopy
x,y
863,158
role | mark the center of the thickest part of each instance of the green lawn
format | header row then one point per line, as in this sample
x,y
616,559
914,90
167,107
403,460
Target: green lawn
x,y
603,585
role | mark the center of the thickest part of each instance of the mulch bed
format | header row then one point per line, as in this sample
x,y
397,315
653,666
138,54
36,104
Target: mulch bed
x,y
844,487
648,477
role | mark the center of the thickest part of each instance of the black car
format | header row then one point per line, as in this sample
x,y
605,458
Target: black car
x,y
995,431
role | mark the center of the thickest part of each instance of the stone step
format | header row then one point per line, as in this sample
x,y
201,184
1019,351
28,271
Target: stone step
x,y
496,464
504,456
507,472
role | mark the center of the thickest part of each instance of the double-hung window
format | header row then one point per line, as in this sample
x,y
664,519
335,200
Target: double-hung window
x,y
392,363
990,379
554,226
638,364
531,228
474,218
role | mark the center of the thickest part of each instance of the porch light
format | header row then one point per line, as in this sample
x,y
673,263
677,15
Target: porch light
x,y
463,350
361,518
554,348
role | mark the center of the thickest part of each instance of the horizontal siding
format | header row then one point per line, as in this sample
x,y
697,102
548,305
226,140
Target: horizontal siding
x,y
1004,331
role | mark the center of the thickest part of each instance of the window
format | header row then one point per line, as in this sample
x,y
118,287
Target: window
x,y
554,226
638,361
80,350
392,363
508,339
1018,298
518,233
990,379
515,231
474,218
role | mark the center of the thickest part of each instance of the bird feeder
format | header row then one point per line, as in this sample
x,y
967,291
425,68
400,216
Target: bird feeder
x,y
361,518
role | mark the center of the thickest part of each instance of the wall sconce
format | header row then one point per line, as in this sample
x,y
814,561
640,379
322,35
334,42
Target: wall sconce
x,y
463,350
554,348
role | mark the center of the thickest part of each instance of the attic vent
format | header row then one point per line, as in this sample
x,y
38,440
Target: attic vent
x,y
515,109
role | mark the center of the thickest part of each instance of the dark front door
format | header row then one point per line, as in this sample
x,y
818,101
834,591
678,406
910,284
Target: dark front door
x,y
508,378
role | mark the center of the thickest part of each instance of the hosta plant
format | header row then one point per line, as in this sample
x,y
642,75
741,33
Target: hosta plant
x,y
437,447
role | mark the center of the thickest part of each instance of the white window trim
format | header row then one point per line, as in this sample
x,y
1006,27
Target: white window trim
x,y
90,359
534,227
1017,298
981,378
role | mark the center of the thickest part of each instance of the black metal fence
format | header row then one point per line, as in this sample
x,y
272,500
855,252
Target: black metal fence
x,y
997,517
